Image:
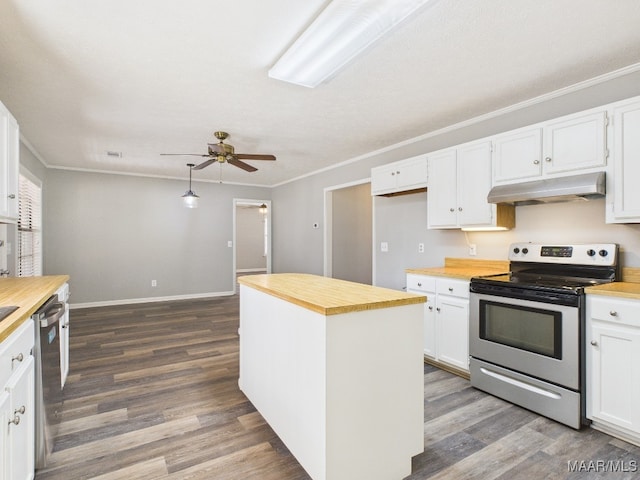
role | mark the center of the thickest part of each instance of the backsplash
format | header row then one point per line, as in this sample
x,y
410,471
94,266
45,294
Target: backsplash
x,y
401,221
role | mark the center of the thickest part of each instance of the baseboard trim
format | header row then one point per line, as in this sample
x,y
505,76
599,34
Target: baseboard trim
x,y
131,301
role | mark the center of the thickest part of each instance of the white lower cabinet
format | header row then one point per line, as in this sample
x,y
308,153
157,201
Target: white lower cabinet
x,y
613,365
446,319
17,405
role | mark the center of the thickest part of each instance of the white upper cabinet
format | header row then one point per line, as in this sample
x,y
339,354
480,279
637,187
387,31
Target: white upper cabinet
x,y
402,176
623,194
575,143
518,155
9,165
460,179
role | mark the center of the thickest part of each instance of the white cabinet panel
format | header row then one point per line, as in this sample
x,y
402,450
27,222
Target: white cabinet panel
x,y
518,155
625,206
446,319
399,176
460,179
17,404
452,319
9,164
575,143
571,144
613,365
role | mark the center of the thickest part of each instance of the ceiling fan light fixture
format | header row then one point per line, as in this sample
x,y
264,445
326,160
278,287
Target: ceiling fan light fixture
x,y
342,31
190,199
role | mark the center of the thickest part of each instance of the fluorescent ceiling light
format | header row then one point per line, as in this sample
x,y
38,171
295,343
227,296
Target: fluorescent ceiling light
x,y
342,31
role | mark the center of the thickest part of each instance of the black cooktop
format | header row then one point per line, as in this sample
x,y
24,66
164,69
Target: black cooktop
x,y
549,281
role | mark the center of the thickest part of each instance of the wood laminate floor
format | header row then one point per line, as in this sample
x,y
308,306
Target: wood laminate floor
x,y
153,394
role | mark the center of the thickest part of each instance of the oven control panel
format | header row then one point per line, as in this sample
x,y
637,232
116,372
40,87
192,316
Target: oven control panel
x,y
580,254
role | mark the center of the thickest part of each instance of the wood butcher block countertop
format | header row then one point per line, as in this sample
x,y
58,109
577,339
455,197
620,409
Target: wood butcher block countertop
x,y
28,294
629,287
328,296
464,268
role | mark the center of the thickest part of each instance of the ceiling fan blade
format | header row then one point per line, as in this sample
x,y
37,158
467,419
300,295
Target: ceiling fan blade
x,y
255,156
206,163
245,166
187,154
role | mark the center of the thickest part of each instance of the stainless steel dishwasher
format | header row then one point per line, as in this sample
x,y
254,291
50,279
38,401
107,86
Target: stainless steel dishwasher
x,y
48,389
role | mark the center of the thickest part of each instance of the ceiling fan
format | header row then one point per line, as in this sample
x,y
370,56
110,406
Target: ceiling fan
x,y
223,152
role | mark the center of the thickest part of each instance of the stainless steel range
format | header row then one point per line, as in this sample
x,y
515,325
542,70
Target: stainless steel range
x,y
526,327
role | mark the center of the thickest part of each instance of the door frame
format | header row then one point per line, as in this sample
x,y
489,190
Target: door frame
x,y
328,225
243,201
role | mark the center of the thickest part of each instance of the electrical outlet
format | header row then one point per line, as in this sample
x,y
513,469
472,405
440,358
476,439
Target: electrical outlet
x,y
421,248
472,249
384,247
154,283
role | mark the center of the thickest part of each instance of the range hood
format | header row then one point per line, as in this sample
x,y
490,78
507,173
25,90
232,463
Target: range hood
x,y
560,189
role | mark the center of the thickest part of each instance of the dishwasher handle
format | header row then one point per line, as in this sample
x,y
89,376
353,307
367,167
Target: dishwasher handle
x,y
52,315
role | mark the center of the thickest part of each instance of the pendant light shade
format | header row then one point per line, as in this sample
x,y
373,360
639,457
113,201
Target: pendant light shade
x,y
190,199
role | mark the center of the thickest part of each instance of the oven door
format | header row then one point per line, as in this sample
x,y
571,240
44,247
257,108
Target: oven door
x,y
534,338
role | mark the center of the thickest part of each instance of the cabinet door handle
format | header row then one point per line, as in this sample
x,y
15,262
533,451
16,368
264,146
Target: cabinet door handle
x,y
20,410
419,284
536,162
437,309
594,343
451,289
613,313
452,209
459,209
19,357
430,308
12,196
15,421
548,159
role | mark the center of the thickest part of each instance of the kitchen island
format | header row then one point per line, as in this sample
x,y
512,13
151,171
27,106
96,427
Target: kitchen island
x,y
335,368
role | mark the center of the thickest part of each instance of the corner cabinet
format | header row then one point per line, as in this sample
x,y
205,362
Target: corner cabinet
x,y
574,143
398,177
623,195
460,179
17,404
613,366
9,166
446,321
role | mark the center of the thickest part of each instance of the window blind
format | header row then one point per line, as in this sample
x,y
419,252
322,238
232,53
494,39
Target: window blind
x,y
29,228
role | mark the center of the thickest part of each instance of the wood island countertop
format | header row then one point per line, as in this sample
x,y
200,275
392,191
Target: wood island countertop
x,y
464,268
28,294
328,296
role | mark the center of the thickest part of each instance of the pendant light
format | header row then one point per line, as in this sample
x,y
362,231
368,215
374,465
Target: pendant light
x,y
190,198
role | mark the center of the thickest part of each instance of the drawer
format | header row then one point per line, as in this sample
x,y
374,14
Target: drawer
x,y
614,310
455,288
421,283
18,343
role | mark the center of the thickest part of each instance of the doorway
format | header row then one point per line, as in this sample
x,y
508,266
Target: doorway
x,y
349,232
251,237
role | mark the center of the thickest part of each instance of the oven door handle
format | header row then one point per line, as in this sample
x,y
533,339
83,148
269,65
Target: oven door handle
x,y
520,384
